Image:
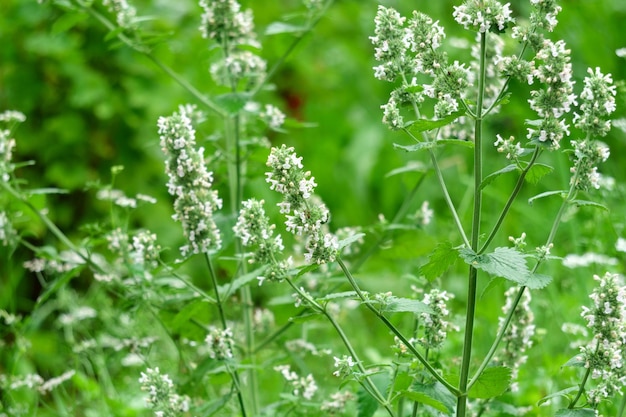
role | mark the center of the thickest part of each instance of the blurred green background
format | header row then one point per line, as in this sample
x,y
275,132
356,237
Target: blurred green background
x,y
92,104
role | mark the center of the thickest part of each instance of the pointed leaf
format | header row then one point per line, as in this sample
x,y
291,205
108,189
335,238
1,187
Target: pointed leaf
x,y
538,171
581,203
338,295
406,305
563,393
276,28
575,362
537,281
434,395
351,239
531,200
417,147
439,261
411,166
228,289
192,309
578,412
503,262
492,382
489,178
423,125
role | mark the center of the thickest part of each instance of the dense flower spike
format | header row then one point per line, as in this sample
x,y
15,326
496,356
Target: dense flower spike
x,y
518,336
305,216
224,22
597,102
254,229
162,396
189,182
221,343
483,15
436,325
587,155
604,356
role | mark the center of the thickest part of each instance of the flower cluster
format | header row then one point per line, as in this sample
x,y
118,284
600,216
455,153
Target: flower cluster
x,y
125,14
162,396
239,65
483,15
343,366
34,381
597,102
7,144
435,324
337,403
542,18
302,386
224,22
8,234
604,355
518,336
272,116
556,98
254,229
587,155
189,182
221,343
512,149
305,216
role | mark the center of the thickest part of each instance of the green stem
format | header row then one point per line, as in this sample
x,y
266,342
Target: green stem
x,y
473,272
371,387
509,203
622,407
394,330
581,389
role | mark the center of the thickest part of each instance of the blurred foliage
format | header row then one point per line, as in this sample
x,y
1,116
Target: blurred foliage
x,y
92,103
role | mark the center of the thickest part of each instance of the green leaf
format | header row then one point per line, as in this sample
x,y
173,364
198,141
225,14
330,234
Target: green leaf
x,y
538,171
411,166
423,125
416,147
349,240
563,393
506,263
434,395
439,261
232,103
458,142
578,412
585,203
366,404
193,309
531,200
406,305
338,295
276,28
574,362
67,21
504,99
537,281
492,382
489,178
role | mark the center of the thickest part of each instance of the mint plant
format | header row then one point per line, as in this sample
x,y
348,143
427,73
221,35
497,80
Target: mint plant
x,y
265,309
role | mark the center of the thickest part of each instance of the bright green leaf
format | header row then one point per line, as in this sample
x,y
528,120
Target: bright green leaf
x,y
411,166
536,281
538,171
578,412
349,240
416,147
276,28
423,125
531,200
575,362
227,290
232,103
406,305
439,261
585,203
489,178
563,393
492,382
190,310
338,295
434,395
503,262
366,404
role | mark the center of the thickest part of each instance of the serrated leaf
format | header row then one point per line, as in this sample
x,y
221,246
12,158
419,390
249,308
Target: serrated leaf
x,y
434,395
585,203
505,99
491,383
574,362
578,412
489,178
406,305
232,102
531,200
423,125
439,261
349,240
411,166
537,281
538,171
503,262
338,295
366,404
416,147
563,393
276,28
